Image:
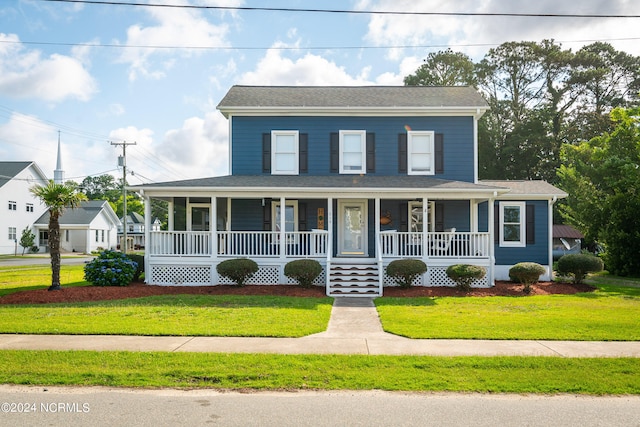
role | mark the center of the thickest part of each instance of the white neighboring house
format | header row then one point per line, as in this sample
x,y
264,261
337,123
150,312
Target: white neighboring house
x,y
18,207
90,227
135,230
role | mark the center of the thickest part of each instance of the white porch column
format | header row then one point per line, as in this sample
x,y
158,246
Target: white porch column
x,y
425,227
376,208
329,218
228,224
473,217
170,220
283,238
213,229
148,244
492,233
550,244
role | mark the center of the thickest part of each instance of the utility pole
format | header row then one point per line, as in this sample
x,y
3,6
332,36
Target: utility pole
x,y
122,161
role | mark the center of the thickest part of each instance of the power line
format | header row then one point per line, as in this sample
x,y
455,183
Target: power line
x,y
344,11
284,48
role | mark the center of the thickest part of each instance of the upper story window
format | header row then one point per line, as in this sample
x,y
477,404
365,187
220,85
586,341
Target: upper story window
x,y
284,152
512,224
420,153
353,150
29,207
13,206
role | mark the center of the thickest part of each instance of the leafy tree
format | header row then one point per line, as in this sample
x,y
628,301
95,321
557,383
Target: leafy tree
x,y
134,204
444,68
602,177
57,197
27,239
103,187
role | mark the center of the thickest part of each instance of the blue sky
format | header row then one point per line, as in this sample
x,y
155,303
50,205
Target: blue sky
x,y
151,75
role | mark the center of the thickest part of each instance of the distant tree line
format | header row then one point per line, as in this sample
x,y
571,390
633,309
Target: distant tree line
x,y
570,118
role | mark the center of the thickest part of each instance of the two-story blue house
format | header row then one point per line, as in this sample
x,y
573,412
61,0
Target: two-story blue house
x,y
354,177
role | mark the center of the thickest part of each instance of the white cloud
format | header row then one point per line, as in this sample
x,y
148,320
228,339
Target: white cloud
x,y
312,70
198,149
176,27
465,33
25,74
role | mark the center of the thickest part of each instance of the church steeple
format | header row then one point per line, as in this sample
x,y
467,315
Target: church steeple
x,y
58,173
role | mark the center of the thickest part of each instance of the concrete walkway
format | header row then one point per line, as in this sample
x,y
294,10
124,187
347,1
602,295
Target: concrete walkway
x,y
354,328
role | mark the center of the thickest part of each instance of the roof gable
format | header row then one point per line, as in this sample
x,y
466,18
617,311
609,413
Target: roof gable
x,y
83,214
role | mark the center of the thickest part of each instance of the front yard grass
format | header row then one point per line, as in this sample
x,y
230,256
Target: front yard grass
x,y
549,375
29,277
612,313
182,315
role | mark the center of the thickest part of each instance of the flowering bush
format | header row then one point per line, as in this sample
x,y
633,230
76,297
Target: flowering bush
x,y
110,268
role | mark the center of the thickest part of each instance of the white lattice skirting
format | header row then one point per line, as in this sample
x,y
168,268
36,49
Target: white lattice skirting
x,y
271,274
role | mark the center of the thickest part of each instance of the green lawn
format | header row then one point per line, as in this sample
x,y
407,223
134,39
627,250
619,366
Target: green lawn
x,y
547,375
28,277
205,315
612,313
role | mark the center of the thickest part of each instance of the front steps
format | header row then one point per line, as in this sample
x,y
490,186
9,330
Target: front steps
x,y
353,278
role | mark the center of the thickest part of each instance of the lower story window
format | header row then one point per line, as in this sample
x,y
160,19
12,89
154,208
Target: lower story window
x,y
290,216
13,233
512,224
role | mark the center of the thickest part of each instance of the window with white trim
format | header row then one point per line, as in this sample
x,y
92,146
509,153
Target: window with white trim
x,y
512,224
416,217
13,206
13,233
420,152
353,151
29,207
97,235
290,216
284,152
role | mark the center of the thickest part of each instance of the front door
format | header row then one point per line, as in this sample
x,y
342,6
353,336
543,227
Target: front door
x,y
352,228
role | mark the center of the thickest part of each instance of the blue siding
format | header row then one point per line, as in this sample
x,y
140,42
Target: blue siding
x,y
246,214
457,131
537,252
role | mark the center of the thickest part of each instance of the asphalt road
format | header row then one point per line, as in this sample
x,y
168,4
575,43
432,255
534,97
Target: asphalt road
x,y
94,407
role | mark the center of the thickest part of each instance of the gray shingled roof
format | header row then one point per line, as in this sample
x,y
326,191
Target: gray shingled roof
x,y
321,182
351,97
82,215
9,170
528,188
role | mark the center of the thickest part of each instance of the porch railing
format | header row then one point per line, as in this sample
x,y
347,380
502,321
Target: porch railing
x,y
239,243
439,244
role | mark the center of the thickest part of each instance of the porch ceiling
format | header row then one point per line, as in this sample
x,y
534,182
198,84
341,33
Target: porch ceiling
x,y
353,185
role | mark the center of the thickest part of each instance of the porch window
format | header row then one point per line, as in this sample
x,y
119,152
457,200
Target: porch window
x,y
353,151
512,224
420,152
290,216
416,217
284,152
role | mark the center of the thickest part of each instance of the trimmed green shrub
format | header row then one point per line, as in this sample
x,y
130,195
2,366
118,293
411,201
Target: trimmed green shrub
x,y
526,273
579,265
110,268
239,270
139,259
303,271
405,271
465,274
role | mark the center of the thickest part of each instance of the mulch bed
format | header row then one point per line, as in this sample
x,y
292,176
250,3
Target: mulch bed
x,y
135,290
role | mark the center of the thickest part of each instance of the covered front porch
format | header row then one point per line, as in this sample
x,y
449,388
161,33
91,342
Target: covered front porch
x,y
354,234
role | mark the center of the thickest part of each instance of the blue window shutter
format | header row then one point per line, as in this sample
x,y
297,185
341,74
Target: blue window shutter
x,y
266,215
531,224
303,153
439,216
335,152
302,217
371,152
403,221
266,152
402,152
439,152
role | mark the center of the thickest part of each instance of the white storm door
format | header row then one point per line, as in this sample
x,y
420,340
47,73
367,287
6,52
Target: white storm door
x,y
352,228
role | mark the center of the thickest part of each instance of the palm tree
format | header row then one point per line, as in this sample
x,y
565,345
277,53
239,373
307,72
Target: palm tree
x,y
57,197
